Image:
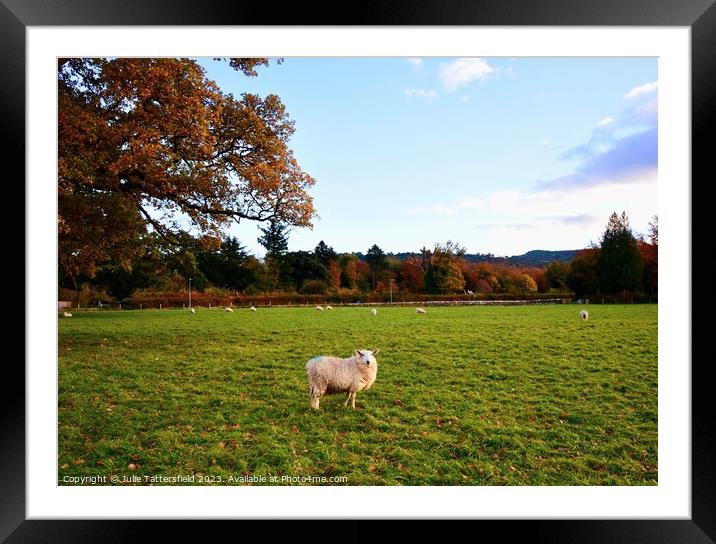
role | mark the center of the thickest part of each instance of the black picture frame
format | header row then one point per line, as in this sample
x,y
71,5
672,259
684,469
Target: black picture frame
x,y
699,15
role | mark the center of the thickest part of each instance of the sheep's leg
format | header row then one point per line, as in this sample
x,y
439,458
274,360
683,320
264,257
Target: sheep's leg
x,y
315,402
353,400
350,394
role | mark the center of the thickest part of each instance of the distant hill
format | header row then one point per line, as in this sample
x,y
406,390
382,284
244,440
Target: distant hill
x,y
536,257
541,257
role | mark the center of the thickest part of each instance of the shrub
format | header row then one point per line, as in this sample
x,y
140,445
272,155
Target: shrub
x,y
314,287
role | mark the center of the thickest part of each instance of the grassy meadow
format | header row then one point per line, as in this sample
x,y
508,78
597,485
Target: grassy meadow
x,y
465,395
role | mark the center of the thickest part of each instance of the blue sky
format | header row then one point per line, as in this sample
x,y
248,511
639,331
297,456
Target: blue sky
x,y
502,155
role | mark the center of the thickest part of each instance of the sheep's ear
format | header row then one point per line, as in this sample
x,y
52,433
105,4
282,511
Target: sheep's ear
x,y
357,353
375,351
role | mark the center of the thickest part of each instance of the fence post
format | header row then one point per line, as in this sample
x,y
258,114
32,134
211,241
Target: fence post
x,y
140,306
160,305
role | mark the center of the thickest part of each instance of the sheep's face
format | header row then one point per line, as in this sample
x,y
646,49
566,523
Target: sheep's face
x,y
367,357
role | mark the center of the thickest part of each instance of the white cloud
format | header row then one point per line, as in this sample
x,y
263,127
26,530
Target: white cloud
x,y
515,221
642,90
465,98
416,63
604,122
462,71
427,95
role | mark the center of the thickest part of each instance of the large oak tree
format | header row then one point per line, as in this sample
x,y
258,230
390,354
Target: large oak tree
x,y
153,146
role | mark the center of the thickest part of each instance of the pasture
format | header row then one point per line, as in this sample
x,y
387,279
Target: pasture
x,y
465,395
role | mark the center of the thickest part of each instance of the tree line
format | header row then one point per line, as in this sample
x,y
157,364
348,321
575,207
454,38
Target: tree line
x,y
620,263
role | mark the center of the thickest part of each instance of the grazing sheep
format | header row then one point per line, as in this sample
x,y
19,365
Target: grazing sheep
x,y
373,312
319,308
192,310
329,307
584,314
67,314
329,375
227,309
252,309
420,310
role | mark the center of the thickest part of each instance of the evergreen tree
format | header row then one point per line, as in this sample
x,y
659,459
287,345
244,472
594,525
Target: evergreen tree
x,y
275,238
620,266
324,253
376,261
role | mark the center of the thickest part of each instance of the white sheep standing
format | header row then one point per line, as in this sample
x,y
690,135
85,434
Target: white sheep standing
x,y
584,314
329,375
252,309
329,307
227,309
420,310
192,310
319,308
67,314
373,312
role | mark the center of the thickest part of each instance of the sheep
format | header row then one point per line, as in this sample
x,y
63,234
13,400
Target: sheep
x,y
252,309
420,310
192,310
319,308
227,309
584,314
329,307
67,314
373,312
329,375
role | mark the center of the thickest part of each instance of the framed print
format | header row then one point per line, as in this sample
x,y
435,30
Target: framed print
x,y
51,494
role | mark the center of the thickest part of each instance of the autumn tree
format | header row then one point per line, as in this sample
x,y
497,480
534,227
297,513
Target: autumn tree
x,y
334,274
349,270
152,145
444,274
620,265
412,275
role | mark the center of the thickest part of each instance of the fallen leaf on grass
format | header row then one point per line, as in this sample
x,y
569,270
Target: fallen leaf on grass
x,y
78,462
222,444
132,466
64,466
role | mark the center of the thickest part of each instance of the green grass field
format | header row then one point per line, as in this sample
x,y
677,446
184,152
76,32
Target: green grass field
x,y
513,395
